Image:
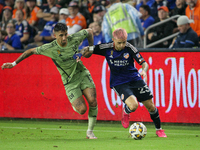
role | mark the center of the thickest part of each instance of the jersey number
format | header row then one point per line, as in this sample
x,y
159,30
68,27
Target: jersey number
x,y
144,89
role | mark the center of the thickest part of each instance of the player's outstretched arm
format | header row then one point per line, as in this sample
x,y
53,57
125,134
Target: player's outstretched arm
x,y
85,52
90,37
23,56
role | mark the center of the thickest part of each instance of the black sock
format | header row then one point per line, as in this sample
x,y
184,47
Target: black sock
x,y
127,109
156,118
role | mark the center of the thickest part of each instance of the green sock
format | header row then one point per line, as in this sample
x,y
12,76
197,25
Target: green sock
x,y
92,117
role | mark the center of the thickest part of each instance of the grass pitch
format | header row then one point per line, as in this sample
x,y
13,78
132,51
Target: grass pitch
x,y
71,135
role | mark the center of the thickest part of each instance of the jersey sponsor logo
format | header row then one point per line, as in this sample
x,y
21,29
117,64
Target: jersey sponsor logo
x,y
126,55
119,63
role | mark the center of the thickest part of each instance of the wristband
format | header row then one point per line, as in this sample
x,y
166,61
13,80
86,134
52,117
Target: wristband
x,y
77,55
14,63
91,48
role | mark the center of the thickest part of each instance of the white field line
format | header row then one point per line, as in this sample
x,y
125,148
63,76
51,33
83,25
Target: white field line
x,y
31,128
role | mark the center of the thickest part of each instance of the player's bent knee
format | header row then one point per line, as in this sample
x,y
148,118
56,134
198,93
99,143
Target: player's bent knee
x,y
93,103
152,108
133,107
82,110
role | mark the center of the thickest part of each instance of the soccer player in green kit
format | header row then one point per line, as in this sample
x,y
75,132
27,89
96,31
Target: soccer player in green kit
x,y
76,78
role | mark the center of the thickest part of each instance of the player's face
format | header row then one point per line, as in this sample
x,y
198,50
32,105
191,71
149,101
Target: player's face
x,y
119,44
61,37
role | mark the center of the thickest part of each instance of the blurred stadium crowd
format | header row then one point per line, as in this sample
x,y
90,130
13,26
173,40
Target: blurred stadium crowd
x,y
29,23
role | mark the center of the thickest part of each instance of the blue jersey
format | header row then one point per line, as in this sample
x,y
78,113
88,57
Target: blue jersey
x,y
98,39
149,3
48,29
146,23
14,41
22,28
121,63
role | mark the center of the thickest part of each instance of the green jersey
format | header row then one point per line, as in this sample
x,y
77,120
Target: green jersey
x,y
63,56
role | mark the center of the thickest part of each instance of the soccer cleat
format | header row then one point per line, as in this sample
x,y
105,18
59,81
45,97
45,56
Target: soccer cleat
x,y
90,135
125,120
161,133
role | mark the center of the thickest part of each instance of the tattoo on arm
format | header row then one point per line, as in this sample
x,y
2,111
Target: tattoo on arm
x,y
90,37
26,54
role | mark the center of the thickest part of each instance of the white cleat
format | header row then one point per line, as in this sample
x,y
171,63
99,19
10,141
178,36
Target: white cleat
x,y
90,135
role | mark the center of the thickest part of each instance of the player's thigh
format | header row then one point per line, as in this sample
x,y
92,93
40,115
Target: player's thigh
x,y
143,93
75,97
132,102
149,105
125,93
73,90
88,88
86,81
90,95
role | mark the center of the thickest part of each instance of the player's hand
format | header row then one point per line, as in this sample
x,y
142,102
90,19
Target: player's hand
x,y
86,52
144,75
7,65
77,57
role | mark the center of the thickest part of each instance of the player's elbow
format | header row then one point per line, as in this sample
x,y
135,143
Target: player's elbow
x,y
87,55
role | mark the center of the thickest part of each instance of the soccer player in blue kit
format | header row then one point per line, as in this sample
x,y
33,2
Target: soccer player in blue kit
x,y
125,78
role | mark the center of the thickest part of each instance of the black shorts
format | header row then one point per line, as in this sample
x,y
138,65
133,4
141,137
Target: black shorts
x,y
137,88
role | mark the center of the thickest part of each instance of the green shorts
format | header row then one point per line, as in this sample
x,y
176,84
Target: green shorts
x,y
77,84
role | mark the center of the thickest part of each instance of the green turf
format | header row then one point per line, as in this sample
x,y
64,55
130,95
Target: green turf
x,y
70,135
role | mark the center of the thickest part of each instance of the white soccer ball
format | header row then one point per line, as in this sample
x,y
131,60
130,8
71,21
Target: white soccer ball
x,y
138,130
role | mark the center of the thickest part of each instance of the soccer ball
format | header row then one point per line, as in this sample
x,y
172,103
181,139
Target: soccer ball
x,y
138,130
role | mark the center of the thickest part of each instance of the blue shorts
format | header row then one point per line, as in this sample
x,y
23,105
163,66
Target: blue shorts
x,y
137,88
